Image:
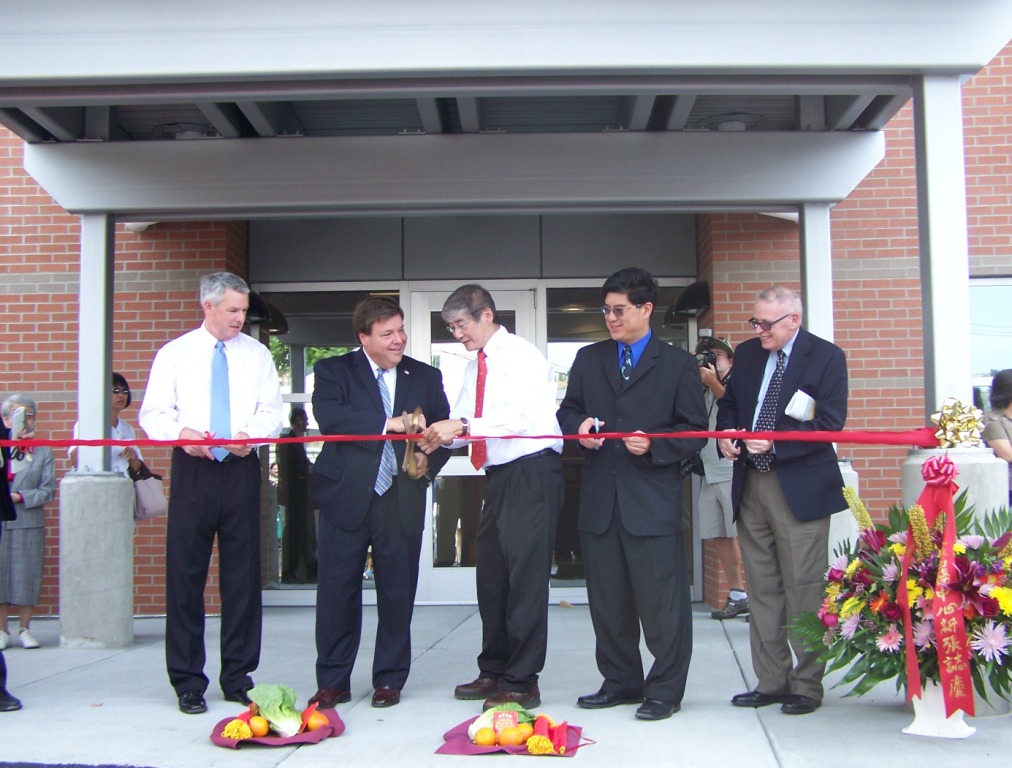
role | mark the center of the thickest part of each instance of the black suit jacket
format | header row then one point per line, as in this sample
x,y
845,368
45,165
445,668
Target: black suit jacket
x,y
663,394
346,400
808,472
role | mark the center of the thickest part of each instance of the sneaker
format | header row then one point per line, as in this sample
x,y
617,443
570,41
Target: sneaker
x,y
731,609
27,640
5,640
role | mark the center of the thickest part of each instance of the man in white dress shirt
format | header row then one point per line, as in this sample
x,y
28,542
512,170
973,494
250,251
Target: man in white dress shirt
x,y
212,373
508,390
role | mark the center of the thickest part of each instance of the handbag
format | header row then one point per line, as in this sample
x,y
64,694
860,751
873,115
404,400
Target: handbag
x,y
149,495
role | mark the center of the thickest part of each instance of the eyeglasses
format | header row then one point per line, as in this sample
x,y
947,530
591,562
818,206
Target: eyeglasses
x,y
617,311
459,325
767,325
120,391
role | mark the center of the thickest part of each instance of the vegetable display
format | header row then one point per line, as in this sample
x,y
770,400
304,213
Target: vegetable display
x,y
276,703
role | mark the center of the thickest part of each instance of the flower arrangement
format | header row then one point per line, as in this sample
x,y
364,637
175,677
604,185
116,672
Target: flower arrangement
x,y
881,604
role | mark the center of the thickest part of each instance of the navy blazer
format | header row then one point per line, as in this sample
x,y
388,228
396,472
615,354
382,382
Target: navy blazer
x,y
347,401
663,394
808,472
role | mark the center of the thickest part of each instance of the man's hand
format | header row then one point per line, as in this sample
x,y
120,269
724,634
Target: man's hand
x,y
637,446
421,463
199,451
758,446
241,450
728,447
439,434
591,443
711,380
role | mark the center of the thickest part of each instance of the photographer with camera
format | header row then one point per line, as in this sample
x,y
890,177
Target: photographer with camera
x,y
716,514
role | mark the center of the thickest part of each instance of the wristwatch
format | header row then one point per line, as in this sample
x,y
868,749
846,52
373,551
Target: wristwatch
x,y
466,427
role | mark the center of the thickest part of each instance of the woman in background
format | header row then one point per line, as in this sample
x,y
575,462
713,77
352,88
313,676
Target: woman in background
x,y
7,512
32,477
120,459
998,421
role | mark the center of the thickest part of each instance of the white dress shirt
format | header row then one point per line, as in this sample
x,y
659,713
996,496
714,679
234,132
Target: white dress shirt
x,y
178,394
519,399
122,431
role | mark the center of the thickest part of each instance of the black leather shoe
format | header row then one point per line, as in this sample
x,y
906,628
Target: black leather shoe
x,y
241,696
481,687
7,702
326,698
656,709
759,699
797,704
604,699
192,703
526,699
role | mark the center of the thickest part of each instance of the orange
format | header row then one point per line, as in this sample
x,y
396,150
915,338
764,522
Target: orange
x,y
527,730
484,737
512,736
259,726
316,720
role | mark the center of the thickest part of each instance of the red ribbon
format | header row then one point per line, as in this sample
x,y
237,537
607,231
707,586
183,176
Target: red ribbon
x,y
950,629
917,438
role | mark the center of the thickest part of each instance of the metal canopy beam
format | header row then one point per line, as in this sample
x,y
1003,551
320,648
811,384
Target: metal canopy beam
x,y
244,178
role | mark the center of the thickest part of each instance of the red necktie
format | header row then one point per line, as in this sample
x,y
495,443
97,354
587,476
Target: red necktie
x,y
479,451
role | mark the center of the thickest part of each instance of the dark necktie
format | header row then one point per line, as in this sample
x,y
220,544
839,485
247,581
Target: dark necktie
x,y
627,363
767,419
388,464
479,450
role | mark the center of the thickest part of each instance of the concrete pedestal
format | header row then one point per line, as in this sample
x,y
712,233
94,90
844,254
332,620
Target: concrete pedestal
x,y
96,560
982,475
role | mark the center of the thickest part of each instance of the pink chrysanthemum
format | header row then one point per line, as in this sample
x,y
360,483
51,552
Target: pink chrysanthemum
x,y
991,641
971,541
891,572
900,537
891,641
924,634
849,625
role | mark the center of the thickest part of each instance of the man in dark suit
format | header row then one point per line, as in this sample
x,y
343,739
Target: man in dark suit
x,y
630,517
365,500
784,491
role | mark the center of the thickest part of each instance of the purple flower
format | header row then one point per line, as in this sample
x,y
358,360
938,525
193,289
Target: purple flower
x,y
900,537
990,641
891,572
924,634
850,625
971,541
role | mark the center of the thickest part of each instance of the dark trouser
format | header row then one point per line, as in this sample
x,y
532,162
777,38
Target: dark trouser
x,y
785,560
341,558
210,498
516,535
633,581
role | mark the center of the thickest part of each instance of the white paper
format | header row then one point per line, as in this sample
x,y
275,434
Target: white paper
x,y
801,407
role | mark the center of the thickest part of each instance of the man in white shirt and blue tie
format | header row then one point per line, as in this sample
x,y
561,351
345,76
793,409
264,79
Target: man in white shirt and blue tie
x,y
213,382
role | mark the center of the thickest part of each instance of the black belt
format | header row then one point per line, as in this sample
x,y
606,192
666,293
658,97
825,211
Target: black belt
x,y
497,467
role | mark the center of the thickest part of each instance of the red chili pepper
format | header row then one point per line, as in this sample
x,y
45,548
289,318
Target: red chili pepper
x,y
559,737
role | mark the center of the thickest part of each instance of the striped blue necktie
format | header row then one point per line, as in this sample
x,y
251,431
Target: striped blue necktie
x,y
221,418
388,463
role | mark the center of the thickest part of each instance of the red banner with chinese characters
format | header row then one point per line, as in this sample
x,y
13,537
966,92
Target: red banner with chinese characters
x,y
950,629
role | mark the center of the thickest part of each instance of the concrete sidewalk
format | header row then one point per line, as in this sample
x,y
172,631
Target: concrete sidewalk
x,y
116,706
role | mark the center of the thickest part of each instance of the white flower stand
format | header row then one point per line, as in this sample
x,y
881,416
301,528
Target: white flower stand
x,y
930,719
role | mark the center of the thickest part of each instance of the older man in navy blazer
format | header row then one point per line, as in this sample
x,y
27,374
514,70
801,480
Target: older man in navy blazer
x,y
365,500
785,379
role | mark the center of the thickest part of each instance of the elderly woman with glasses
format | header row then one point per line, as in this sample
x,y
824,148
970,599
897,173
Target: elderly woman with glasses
x,y
32,475
121,459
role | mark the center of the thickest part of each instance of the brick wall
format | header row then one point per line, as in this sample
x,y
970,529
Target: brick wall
x,y
876,279
156,279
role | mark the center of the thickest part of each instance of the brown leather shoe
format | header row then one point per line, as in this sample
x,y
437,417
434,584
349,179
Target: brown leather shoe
x,y
479,688
526,699
385,696
326,698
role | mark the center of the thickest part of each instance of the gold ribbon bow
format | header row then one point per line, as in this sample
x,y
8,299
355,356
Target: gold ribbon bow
x,y
958,424
412,426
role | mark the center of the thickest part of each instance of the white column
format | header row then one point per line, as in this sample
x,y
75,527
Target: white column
x,y
94,402
817,269
944,251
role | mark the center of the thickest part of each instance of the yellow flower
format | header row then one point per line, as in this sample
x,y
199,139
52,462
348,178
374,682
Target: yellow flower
x,y
852,567
858,509
237,729
959,548
1004,597
914,590
851,606
898,549
832,591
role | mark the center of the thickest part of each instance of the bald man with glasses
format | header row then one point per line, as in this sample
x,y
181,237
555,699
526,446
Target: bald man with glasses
x,y
783,492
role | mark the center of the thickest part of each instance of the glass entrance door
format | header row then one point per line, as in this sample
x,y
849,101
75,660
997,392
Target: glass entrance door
x,y
446,571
